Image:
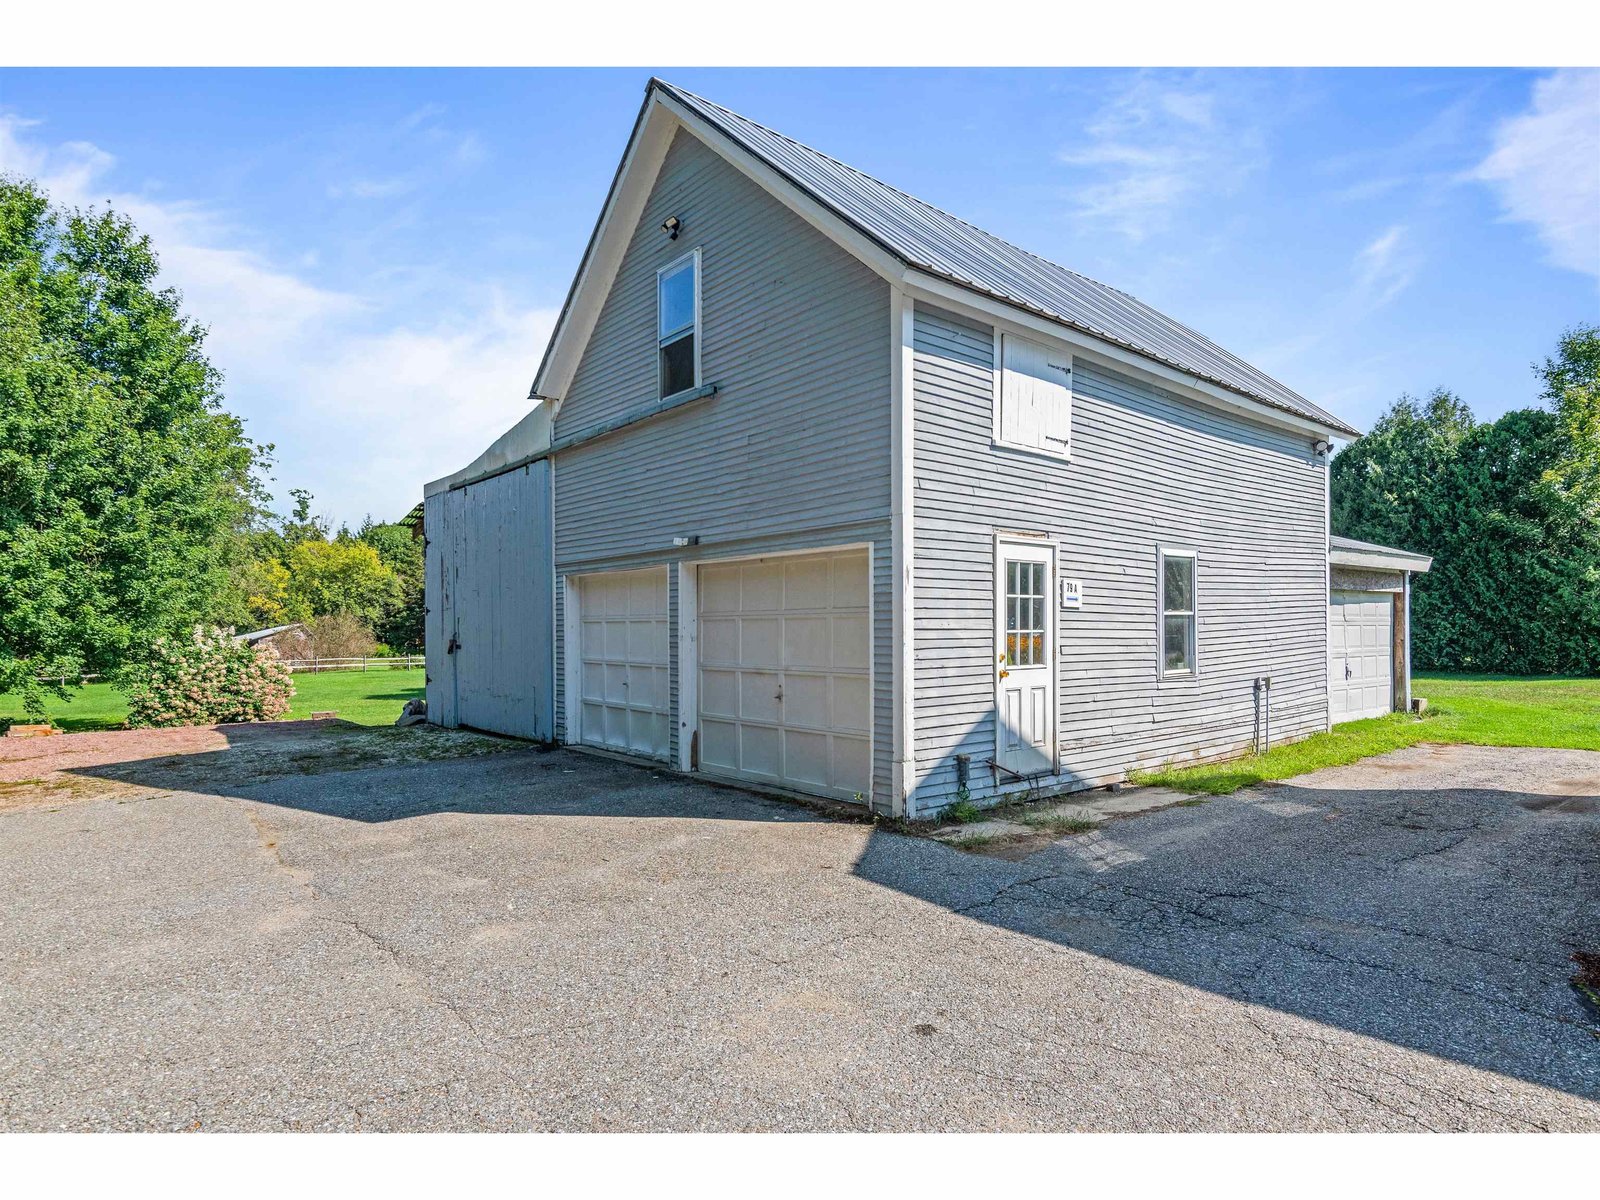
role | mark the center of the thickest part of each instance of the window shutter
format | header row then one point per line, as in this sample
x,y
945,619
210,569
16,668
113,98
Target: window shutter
x,y
1035,395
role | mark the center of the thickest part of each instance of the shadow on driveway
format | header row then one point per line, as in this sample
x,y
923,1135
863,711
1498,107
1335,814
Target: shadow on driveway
x,y
1380,899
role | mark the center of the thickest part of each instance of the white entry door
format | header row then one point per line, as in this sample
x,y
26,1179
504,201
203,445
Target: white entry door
x,y
785,677
622,675
1025,735
1360,655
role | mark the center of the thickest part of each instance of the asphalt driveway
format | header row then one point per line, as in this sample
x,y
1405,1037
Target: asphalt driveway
x,y
494,938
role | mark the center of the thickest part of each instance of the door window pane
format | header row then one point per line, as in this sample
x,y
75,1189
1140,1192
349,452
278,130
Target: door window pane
x,y
1025,613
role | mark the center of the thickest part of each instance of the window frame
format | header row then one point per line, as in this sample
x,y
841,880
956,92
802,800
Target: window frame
x,y
693,328
1164,674
996,424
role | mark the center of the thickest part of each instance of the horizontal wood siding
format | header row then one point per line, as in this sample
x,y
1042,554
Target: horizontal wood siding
x,y
1148,469
792,451
794,332
488,587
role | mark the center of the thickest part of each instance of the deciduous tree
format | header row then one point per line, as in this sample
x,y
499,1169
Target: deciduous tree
x,y
122,481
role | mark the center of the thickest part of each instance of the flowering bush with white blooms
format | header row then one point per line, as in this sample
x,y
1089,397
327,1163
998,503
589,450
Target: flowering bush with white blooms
x,y
208,678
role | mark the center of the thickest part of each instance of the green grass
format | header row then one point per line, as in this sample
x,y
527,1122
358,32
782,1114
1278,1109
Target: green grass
x,y
1057,822
366,697
1483,710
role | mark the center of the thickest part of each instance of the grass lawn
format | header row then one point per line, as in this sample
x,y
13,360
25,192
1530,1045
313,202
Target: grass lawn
x,y
1484,710
365,697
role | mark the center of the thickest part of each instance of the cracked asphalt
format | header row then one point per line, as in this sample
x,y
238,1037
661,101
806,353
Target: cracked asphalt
x,y
526,940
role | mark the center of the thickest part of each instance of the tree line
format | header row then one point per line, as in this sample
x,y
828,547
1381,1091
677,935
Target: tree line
x,y
1510,511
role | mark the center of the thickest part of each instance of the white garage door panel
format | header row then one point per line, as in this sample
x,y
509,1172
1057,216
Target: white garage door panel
x,y
1360,655
623,673
785,678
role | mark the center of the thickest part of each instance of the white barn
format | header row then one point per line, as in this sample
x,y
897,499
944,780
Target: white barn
x,y
826,491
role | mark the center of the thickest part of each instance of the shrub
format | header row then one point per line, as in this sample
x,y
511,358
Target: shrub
x,y
208,678
335,635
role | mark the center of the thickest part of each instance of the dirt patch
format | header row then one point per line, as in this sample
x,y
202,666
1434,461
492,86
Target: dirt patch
x,y
80,766
24,793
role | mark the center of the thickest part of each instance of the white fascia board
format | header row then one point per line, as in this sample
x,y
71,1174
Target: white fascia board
x,y
1371,560
932,289
641,163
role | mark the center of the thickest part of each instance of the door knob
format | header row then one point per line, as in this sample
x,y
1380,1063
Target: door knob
x,y
1003,674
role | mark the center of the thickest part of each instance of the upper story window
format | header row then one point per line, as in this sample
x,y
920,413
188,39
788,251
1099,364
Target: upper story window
x,y
1033,401
678,324
1177,584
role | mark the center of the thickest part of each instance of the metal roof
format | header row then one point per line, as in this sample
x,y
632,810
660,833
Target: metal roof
x,y
931,240
256,635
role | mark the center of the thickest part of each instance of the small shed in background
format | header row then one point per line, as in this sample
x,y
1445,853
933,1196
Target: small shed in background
x,y
1369,628
282,638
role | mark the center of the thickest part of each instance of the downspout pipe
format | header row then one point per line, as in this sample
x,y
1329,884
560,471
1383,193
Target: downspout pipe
x,y
1406,586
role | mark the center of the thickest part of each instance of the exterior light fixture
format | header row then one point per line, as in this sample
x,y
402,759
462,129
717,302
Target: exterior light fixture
x,y
1322,446
670,227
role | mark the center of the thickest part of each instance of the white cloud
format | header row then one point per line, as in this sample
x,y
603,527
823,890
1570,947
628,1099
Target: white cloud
x,y
1154,146
1545,167
364,402
370,189
1384,268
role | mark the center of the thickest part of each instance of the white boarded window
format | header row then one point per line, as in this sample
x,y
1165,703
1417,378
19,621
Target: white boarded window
x,y
1035,400
1177,607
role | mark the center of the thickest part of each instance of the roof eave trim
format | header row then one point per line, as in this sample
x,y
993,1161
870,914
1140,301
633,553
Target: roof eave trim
x,y
1369,560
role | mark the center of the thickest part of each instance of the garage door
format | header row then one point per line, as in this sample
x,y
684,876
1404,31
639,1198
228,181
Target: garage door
x,y
622,641
1360,655
785,672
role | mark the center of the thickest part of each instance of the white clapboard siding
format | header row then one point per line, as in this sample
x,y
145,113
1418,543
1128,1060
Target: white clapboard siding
x,y
793,450
1147,469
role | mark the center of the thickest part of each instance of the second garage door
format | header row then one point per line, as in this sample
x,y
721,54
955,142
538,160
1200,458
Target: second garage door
x,y
1360,655
785,672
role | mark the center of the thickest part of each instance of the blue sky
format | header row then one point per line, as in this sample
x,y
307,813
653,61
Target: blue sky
x,y
380,254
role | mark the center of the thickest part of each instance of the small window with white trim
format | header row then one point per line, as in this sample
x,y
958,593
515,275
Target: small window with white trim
x,y
1033,400
678,324
1177,609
